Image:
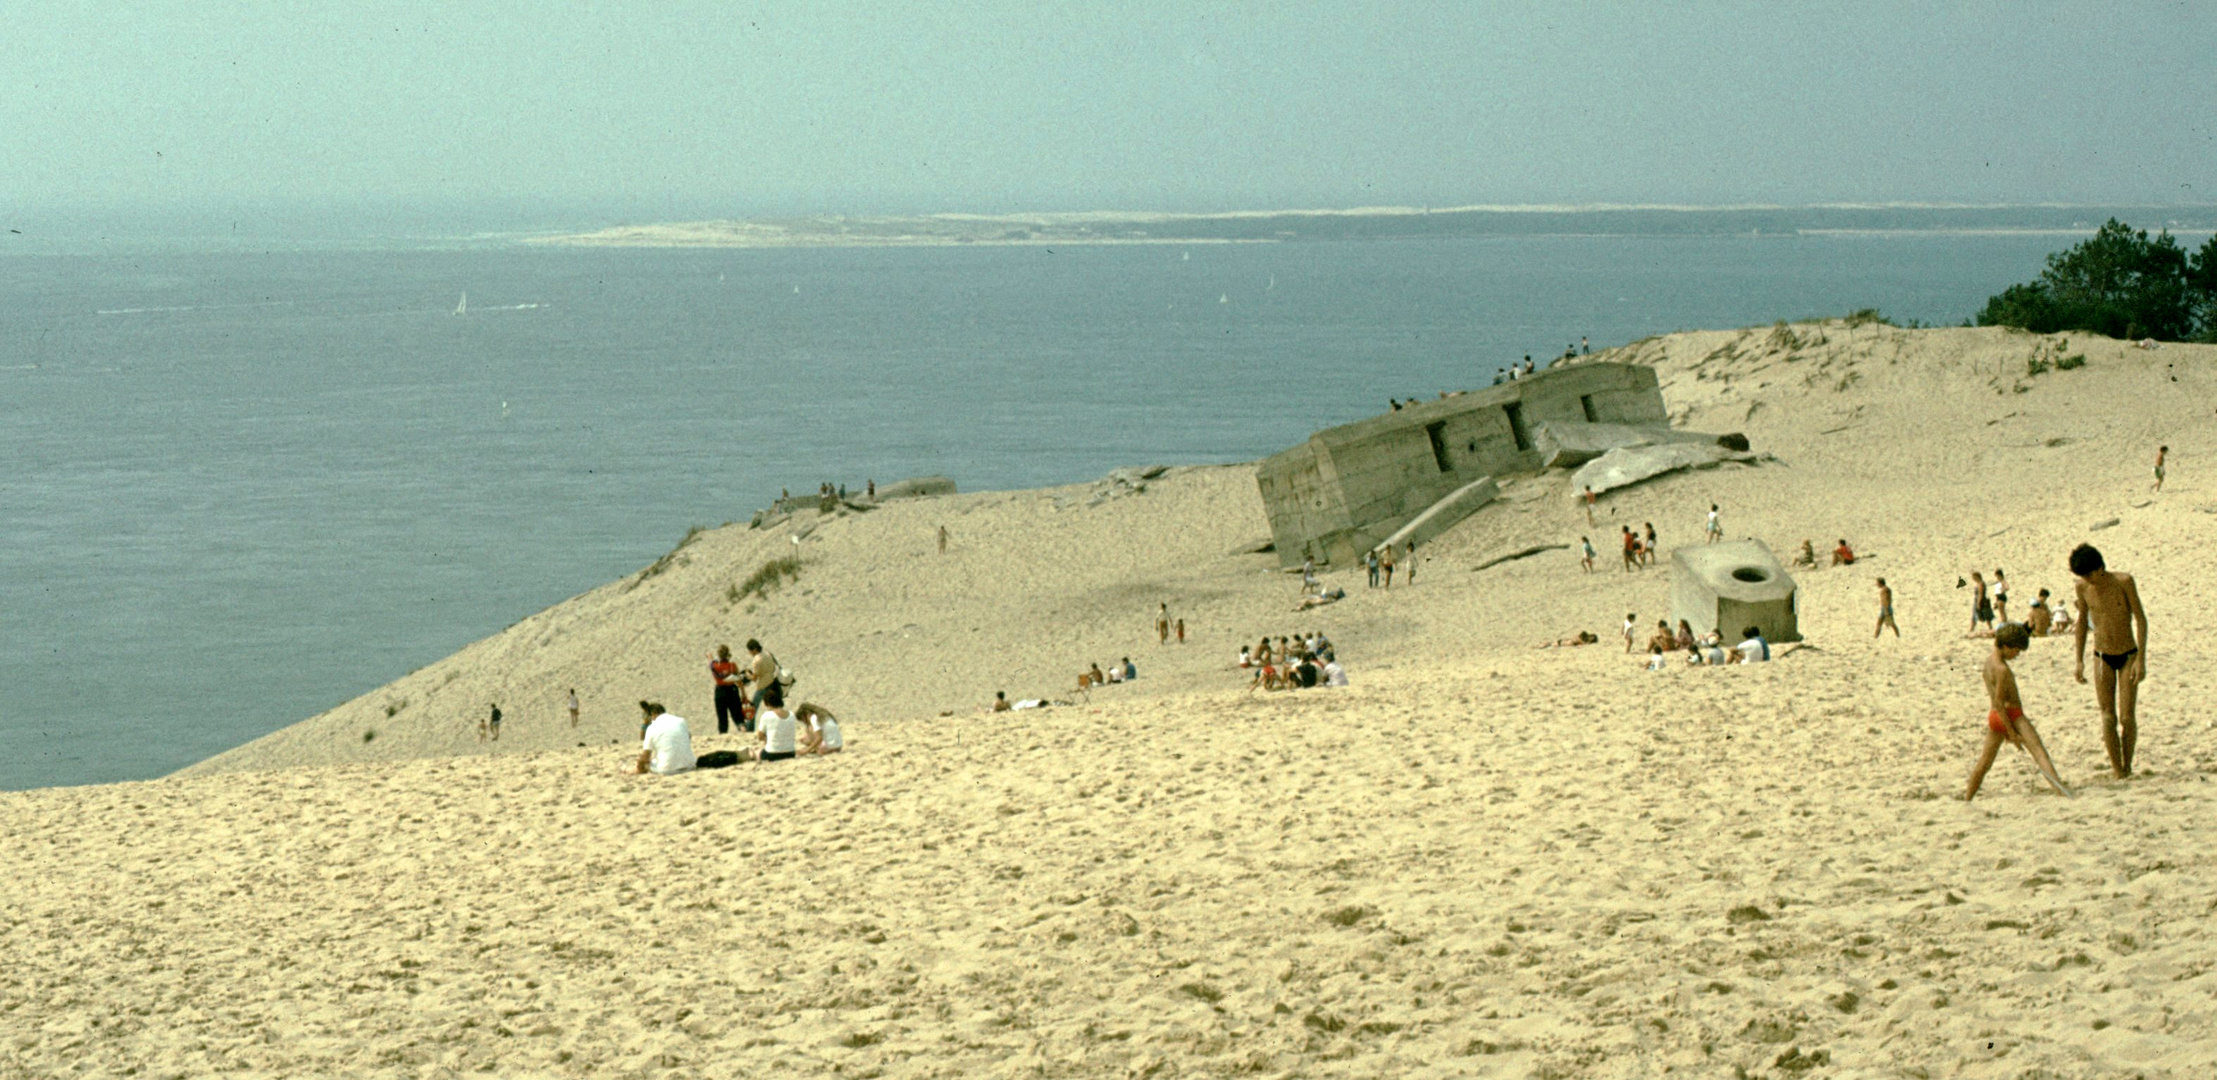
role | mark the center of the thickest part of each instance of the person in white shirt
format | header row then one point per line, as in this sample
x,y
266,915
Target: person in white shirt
x,y
1753,650
773,729
1334,675
666,742
821,734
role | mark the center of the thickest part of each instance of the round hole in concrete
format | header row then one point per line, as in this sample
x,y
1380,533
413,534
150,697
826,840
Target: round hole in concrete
x,y
1750,573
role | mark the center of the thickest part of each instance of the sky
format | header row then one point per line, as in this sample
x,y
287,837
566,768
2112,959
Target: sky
x,y
675,110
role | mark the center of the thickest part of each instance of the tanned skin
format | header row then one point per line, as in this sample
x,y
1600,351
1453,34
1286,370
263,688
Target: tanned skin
x,y
2112,601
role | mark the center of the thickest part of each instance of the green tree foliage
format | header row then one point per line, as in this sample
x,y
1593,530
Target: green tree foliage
x,y
2119,283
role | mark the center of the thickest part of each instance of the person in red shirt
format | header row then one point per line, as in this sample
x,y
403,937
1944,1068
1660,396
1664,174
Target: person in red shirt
x,y
728,709
1843,555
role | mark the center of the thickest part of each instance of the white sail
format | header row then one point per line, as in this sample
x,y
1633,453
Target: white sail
x,y
463,308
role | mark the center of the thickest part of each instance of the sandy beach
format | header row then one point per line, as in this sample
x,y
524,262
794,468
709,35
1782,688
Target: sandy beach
x,y
1480,859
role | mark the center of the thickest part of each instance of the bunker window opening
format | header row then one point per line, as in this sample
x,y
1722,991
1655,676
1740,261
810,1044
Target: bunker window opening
x,y
1515,410
1437,433
1586,401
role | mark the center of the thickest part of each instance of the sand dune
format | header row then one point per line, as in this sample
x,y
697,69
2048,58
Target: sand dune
x,y
1481,859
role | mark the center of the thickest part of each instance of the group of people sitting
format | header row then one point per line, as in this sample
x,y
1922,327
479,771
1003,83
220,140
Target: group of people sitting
x,y
1121,671
666,740
1293,663
1705,649
1842,555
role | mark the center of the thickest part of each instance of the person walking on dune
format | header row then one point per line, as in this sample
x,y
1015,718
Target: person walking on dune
x,y
573,706
1409,557
2112,602
1716,527
942,539
2161,452
1586,560
2005,712
1385,563
1885,611
1162,623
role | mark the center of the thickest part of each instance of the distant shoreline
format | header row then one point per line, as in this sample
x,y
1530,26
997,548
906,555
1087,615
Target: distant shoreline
x,y
1119,228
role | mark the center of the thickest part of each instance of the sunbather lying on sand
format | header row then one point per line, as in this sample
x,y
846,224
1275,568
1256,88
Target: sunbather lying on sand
x,y
1584,637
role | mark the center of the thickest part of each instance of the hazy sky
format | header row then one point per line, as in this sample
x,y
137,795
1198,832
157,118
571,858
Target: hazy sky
x,y
993,106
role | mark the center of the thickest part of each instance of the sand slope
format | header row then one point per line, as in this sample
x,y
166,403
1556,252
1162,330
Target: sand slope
x,y
1481,859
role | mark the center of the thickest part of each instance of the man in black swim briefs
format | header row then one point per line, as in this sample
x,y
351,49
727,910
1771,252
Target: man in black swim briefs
x,y
2111,601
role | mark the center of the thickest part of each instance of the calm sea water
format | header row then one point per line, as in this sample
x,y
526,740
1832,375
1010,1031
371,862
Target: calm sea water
x,y
237,489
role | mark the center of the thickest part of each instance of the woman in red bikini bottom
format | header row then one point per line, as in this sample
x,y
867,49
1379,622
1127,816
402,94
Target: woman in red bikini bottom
x,y
2005,713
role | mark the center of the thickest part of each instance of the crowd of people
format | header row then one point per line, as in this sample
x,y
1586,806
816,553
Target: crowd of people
x,y
749,700
1292,663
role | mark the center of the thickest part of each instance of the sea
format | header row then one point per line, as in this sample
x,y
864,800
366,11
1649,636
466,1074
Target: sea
x,y
240,484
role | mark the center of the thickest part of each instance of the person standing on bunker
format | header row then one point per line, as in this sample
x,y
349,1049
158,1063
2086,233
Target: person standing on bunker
x,y
1716,527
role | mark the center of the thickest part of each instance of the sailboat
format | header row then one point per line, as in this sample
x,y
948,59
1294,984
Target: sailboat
x,y
463,308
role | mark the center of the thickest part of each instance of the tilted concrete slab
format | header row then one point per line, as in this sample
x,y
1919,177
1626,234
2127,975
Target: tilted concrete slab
x,y
1629,465
1731,585
1567,444
1443,515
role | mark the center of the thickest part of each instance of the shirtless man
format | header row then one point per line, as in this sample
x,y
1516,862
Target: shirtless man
x,y
2112,601
2005,712
1885,611
2160,453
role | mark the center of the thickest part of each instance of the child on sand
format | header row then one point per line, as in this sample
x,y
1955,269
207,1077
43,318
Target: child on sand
x,y
1885,610
2005,711
1586,560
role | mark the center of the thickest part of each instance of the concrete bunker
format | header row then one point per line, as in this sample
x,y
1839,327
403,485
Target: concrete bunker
x,y
1347,488
1733,585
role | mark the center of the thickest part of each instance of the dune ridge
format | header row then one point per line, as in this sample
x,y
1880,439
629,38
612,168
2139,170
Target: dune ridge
x,y
1480,859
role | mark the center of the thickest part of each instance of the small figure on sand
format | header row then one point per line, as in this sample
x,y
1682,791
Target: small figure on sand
x,y
1647,545
1582,637
2040,616
1982,606
1631,625
1586,559
1885,611
1589,505
1716,526
942,539
1409,559
1843,555
1808,555
1000,697
2005,712
491,725
723,674
1385,563
1181,631
872,491
1162,615
2001,596
818,730
573,706
2161,452
2110,601
1630,542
